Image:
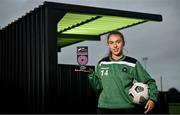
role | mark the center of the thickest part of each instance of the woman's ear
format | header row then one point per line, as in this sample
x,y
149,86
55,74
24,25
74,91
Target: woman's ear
x,y
124,43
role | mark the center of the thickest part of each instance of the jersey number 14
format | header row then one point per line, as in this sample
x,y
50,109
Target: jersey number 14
x,y
104,72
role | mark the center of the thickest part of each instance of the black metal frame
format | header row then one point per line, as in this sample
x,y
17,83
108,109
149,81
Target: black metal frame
x,y
103,11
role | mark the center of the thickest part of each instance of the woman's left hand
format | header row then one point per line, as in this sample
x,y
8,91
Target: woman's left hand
x,y
149,106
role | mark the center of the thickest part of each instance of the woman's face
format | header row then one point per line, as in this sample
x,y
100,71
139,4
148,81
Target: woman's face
x,y
116,44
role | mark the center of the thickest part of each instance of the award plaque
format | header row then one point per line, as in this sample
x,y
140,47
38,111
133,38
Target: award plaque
x,y
82,57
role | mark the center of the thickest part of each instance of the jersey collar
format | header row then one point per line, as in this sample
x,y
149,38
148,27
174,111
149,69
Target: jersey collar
x,y
122,58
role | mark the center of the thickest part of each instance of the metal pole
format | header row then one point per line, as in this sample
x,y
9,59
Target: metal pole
x,y
161,83
145,61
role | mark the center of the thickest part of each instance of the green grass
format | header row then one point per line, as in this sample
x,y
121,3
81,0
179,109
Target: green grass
x,y
174,108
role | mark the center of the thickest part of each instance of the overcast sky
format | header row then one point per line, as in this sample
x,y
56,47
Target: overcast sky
x,y
159,41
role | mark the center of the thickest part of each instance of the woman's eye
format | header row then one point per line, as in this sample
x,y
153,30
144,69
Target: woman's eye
x,y
110,42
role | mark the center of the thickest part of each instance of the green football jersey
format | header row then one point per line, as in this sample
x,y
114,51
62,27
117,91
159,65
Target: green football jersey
x,y
115,78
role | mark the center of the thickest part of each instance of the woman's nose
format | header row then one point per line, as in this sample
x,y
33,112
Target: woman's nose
x,y
115,45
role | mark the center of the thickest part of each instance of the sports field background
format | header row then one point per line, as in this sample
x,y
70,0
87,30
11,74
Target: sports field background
x,y
174,108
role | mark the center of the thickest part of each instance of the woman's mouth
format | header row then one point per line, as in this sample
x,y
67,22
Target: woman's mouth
x,y
115,50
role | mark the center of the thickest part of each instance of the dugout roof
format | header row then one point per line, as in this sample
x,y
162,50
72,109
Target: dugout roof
x,y
82,23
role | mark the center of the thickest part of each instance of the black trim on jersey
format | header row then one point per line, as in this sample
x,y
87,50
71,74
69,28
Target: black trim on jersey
x,y
130,59
127,59
104,59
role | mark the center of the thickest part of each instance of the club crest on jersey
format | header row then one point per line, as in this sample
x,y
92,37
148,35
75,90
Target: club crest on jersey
x,y
124,69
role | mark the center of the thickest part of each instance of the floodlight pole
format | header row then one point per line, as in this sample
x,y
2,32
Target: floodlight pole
x,y
145,59
161,83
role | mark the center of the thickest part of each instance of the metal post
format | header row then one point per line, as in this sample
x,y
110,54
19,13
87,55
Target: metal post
x,y
161,83
145,59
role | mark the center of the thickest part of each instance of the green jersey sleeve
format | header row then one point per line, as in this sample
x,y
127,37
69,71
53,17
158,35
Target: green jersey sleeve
x,y
95,80
141,75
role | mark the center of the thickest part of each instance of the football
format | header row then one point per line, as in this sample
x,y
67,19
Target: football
x,y
138,93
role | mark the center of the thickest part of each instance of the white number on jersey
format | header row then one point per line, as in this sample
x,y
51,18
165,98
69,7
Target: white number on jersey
x,y
104,72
